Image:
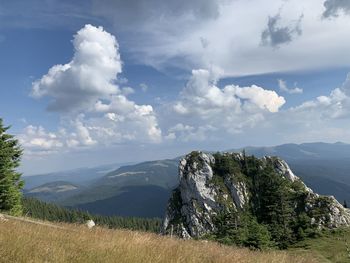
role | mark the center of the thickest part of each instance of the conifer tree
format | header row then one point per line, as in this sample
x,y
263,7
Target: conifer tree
x,y
10,179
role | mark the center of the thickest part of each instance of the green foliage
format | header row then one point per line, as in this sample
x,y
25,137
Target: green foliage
x,y
242,230
275,215
10,182
329,246
225,164
175,205
50,212
194,157
254,235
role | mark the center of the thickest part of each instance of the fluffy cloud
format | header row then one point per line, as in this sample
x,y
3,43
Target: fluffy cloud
x,y
94,110
88,76
228,37
37,139
334,106
334,7
209,115
134,120
201,95
283,87
275,35
204,107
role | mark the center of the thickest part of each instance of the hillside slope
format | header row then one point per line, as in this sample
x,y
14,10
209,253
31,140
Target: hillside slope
x,y
80,176
53,191
147,201
136,190
30,242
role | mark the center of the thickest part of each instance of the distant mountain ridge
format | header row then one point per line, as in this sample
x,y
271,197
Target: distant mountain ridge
x,y
324,167
81,176
53,191
292,151
135,190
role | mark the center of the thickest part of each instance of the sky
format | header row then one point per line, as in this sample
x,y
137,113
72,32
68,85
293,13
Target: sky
x,y
86,83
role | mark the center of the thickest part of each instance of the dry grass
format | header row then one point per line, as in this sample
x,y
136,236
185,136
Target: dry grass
x,y
28,242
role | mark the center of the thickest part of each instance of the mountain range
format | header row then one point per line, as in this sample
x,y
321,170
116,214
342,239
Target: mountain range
x,y
143,189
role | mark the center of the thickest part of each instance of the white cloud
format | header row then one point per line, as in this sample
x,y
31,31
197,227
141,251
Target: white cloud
x,y
201,95
37,141
88,76
334,106
127,91
203,107
132,119
253,115
283,87
230,37
94,110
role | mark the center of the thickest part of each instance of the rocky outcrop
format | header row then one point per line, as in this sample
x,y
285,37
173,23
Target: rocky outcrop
x,y
207,189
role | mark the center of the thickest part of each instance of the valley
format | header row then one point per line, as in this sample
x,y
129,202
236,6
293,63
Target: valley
x,y
147,186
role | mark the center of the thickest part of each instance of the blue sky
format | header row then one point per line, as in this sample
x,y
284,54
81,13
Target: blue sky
x,y
85,83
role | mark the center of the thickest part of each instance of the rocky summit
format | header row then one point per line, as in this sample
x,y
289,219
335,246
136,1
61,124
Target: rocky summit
x,y
233,185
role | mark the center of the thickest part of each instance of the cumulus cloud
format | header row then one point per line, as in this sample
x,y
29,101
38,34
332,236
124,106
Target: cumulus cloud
x,y
202,95
89,75
137,121
36,138
203,105
275,35
334,106
94,110
324,118
334,7
283,87
209,115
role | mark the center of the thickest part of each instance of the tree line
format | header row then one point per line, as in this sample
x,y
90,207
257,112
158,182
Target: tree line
x,y
45,211
275,215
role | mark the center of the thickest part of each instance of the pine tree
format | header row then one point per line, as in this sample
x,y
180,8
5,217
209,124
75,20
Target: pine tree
x,y
10,182
345,204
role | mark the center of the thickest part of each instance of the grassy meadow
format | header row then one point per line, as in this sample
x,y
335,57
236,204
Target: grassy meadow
x,y
27,242
331,246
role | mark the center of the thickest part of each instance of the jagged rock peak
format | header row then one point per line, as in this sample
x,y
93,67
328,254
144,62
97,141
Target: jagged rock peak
x,y
212,184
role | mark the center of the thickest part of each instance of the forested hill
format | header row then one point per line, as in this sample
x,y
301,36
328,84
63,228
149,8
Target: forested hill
x,y
51,212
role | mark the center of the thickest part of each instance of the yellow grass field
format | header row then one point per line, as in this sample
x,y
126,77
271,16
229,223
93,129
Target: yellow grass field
x,y
29,242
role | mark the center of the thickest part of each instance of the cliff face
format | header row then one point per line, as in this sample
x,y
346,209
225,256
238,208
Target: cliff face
x,y
233,183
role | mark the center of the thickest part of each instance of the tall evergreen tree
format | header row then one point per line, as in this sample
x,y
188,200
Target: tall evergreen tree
x,y
10,180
